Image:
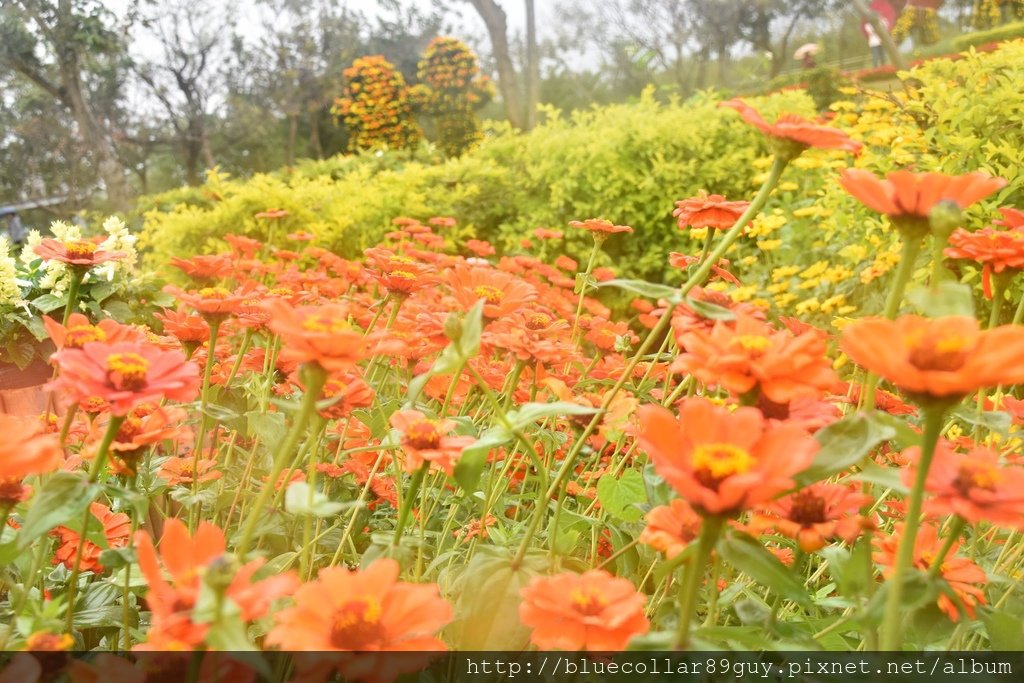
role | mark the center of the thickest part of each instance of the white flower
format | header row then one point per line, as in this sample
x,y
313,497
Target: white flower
x,y
10,293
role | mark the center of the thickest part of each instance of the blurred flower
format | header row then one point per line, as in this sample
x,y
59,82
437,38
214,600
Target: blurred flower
x,y
592,611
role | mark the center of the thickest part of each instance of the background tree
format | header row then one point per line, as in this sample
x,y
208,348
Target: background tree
x,y
70,51
185,77
450,90
376,106
519,91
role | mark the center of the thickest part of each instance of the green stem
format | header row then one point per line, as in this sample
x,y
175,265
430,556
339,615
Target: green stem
x,y
408,500
956,528
204,400
313,378
908,258
77,275
894,609
95,471
710,530
583,288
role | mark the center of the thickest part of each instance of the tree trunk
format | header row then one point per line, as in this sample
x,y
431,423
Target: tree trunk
x,y
532,67
508,83
293,130
315,146
108,164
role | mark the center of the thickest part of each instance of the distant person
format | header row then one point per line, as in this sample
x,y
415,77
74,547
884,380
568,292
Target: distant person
x,y
16,229
875,44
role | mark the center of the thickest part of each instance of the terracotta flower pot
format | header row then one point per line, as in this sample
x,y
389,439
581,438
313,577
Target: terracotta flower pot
x,y
21,390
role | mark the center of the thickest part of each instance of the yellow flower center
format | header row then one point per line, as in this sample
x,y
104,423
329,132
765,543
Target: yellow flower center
x,y
976,475
423,434
491,295
319,322
752,342
714,462
356,623
403,275
127,370
80,335
588,602
945,354
538,321
214,293
80,248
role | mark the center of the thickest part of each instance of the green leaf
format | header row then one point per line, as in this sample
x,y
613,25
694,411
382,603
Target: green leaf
x,y
647,289
621,496
63,498
48,302
886,477
1005,631
470,465
710,311
487,606
844,444
949,298
750,557
528,413
991,420
269,427
300,499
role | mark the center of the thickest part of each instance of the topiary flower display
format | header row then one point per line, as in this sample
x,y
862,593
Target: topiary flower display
x,y
376,106
450,91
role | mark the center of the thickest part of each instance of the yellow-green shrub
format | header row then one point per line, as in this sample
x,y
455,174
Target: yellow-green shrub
x,y
627,163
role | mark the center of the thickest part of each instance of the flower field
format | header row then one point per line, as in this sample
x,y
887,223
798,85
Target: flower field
x,y
445,442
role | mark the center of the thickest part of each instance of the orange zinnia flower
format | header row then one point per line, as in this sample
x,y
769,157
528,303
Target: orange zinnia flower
x,y
26,449
81,254
592,611
317,334
186,328
272,214
972,485
600,227
426,440
908,198
79,331
795,132
204,267
749,355
213,303
817,514
191,562
369,611
501,292
708,211
125,374
117,528
670,528
960,573
941,358
723,463
996,250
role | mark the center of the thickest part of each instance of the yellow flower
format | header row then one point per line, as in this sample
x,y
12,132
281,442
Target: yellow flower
x,y
784,272
788,186
766,245
854,252
814,270
808,306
